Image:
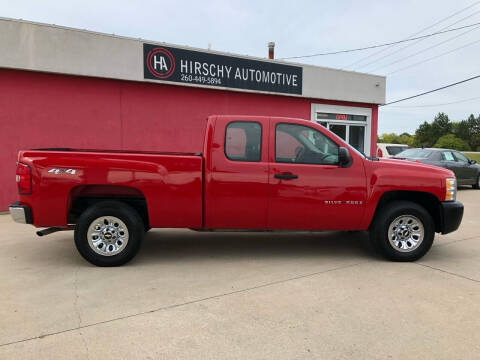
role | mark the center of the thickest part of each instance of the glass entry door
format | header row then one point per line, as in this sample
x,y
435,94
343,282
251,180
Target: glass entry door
x,y
356,137
339,129
350,128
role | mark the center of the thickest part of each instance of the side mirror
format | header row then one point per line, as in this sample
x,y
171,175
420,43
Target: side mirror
x,y
472,162
344,157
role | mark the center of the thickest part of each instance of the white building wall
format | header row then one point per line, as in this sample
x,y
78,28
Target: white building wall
x,y
48,48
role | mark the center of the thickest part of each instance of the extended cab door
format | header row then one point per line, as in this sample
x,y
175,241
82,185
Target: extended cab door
x,y
308,189
236,173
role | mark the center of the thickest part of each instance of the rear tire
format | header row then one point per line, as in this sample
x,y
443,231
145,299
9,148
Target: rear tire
x,y
477,184
109,233
402,231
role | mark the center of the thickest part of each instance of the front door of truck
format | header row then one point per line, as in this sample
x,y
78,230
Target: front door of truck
x,y
236,174
308,189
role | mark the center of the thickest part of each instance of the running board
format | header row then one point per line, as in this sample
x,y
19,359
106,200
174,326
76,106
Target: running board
x,y
52,230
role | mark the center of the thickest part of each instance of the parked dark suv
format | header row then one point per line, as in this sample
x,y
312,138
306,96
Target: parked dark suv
x,y
467,171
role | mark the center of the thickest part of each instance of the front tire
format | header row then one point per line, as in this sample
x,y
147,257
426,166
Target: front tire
x,y
109,233
402,231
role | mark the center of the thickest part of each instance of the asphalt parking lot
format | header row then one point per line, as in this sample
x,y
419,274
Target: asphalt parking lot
x,y
241,296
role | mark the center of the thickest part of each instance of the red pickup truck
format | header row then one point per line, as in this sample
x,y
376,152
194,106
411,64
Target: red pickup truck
x,y
255,173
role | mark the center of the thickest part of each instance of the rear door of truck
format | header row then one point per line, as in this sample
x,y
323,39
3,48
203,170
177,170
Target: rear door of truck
x,y
236,173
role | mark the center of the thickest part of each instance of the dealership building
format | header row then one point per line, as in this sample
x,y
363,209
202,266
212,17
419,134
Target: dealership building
x,y
64,87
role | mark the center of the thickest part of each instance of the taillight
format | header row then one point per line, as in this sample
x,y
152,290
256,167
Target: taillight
x,y
24,179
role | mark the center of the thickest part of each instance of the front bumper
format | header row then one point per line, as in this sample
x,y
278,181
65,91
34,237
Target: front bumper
x,y
451,213
20,213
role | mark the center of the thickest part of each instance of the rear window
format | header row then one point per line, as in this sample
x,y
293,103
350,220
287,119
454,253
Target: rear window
x,y
243,141
415,153
394,150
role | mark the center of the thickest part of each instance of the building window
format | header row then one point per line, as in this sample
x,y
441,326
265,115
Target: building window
x,y
243,141
303,145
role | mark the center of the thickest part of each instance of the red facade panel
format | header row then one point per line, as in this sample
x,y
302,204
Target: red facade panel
x,y
48,110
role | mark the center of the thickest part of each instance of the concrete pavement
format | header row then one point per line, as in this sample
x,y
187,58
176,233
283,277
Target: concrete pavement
x,y
194,295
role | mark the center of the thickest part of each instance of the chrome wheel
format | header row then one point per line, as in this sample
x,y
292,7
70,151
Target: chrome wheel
x,y
406,233
107,235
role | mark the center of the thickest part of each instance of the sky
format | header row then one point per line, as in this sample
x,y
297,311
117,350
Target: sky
x,y
308,27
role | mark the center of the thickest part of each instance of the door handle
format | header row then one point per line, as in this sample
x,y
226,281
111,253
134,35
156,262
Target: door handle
x,y
286,176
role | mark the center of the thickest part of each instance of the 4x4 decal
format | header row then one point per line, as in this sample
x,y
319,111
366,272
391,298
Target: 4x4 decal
x,y
62,171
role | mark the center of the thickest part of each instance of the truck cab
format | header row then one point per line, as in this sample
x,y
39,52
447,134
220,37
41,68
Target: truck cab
x,y
281,174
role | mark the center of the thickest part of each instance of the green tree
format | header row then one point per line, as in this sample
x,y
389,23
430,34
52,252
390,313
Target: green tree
x,y
406,138
423,135
428,134
465,130
450,141
462,130
391,138
469,131
441,125
473,139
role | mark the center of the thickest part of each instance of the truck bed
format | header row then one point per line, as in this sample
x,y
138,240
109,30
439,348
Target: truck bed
x,y
170,184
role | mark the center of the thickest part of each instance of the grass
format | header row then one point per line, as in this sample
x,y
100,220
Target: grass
x,y
473,156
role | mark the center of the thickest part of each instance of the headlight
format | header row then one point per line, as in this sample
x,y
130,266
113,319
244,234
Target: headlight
x,y
451,189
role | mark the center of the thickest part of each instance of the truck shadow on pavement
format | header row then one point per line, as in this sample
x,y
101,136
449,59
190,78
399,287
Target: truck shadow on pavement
x,y
174,245
163,246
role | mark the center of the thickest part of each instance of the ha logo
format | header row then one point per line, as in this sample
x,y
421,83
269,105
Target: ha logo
x,y
160,63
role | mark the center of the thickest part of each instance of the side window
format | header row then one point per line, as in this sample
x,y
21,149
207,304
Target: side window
x,y
448,156
436,156
286,147
303,145
243,140
460,157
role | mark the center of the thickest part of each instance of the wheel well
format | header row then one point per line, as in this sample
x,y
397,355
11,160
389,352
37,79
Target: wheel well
x,y
82,197
428,201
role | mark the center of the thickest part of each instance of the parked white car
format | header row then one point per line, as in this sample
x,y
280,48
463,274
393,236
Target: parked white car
x,y
390,150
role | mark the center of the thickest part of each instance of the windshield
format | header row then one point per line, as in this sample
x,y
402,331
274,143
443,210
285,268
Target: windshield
x,y
415,153
394,150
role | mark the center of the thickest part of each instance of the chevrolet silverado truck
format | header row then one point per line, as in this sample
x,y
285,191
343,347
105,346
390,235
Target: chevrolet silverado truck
x,y
254,173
